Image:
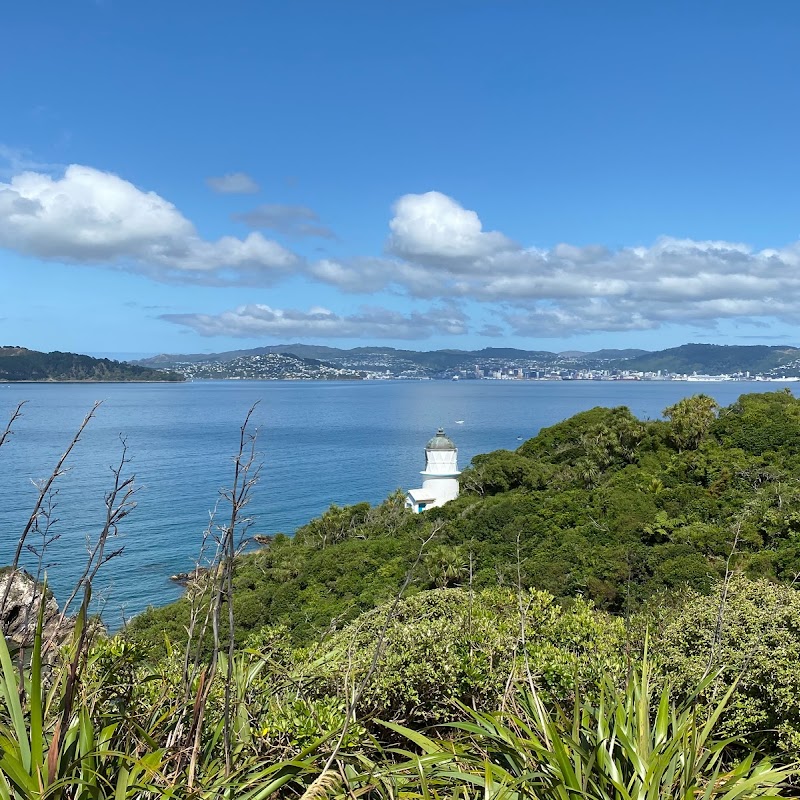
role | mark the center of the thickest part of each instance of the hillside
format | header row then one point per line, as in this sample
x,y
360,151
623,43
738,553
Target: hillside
x,y
267,366
21,364
601,506
716,359
419,655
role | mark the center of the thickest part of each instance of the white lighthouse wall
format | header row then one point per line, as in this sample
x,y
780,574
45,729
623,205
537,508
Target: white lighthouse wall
x,y
443,489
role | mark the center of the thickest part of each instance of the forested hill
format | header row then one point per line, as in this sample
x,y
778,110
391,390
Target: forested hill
x,y
601,506
716,359
21,364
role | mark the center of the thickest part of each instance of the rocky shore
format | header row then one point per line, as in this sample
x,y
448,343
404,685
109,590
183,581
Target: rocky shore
x,y
19,613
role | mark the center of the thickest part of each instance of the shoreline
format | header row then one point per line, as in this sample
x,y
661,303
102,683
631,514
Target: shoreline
x,y
712,379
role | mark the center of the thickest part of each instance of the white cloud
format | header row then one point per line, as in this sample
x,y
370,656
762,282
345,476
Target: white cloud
x,y
233,183
94,217
433,227
437,250
256,321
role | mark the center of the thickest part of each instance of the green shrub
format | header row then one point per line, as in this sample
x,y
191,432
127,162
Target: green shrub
x,y
757,646
443,646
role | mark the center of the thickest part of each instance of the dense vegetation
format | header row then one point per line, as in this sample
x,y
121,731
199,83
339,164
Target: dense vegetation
x,y
20,364
608,612
601,506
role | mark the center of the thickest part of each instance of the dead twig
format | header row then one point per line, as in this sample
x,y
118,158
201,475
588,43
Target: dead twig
x,y
15,415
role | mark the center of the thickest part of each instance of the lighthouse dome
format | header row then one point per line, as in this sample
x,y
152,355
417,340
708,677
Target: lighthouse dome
x,y
440,442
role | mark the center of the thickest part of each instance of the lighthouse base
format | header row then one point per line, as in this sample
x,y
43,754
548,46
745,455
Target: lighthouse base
x,y
435,491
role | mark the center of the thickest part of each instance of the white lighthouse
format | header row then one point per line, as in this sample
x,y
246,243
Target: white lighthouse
x,y
440,476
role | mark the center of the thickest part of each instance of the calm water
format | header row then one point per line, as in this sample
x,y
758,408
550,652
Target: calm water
x,y
320,443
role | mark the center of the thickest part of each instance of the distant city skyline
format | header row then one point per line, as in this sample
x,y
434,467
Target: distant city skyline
x,y
576,176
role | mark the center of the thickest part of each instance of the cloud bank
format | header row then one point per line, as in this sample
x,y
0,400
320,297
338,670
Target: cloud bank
x,y
436,251
440,250
256,320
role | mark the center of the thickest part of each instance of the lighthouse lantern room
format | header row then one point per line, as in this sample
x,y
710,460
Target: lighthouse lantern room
x,y
440,476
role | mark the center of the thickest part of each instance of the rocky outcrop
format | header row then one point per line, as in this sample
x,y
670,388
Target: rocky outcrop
x,y
185,578
19,613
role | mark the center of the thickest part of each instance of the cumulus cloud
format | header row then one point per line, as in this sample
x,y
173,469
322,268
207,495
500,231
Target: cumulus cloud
x,y
438,249
94,217
233,183
256,320
434,228
298,221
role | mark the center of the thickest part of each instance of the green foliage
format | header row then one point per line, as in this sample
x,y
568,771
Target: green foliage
x,y
691,419
447,645
52,747
747,630
601,506
599,513
501,471
629,743
759,423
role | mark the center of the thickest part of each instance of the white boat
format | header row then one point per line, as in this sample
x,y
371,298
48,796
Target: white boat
x,y
459,422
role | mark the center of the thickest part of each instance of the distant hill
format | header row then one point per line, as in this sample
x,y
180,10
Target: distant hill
x,y
711,359
319,352
21,364
715,359
430,359
612,355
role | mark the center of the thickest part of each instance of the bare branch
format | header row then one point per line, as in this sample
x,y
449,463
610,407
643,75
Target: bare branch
x,y
44,489
716,642
245,477
15,415
119,503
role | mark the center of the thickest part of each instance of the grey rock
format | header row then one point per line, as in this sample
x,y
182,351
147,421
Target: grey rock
x,y
19,613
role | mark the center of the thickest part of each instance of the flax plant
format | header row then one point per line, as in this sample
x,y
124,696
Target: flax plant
x,y
628,743
49,745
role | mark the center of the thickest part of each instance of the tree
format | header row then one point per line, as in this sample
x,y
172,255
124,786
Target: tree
x,y
691,419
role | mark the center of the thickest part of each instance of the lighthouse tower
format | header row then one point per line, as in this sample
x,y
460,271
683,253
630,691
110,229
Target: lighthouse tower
x,y
440,476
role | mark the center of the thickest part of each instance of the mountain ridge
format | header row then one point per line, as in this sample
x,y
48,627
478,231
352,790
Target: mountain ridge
x,y
321,351
685,359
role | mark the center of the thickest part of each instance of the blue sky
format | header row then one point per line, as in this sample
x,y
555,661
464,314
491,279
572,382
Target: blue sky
x,y
191,177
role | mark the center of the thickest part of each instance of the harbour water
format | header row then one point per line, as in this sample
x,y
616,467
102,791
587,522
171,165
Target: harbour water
x,y
320,443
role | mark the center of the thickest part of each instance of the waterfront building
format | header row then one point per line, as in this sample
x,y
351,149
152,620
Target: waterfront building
x,y
440,476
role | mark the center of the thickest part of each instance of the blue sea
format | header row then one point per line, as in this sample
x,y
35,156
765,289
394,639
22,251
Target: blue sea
x,y
319,442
